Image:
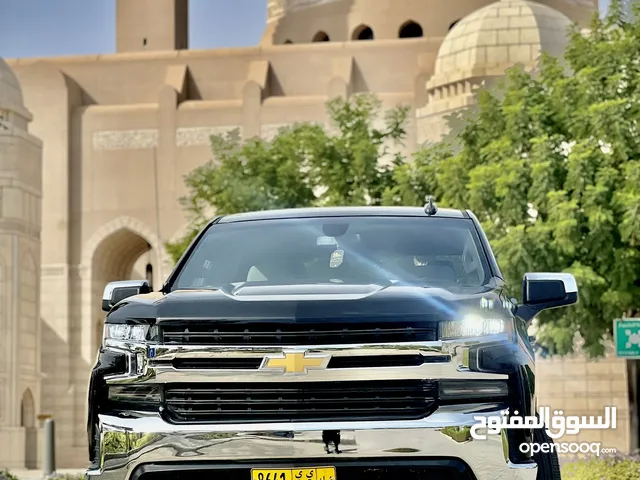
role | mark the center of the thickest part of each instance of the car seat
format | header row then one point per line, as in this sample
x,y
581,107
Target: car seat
x,y
440,270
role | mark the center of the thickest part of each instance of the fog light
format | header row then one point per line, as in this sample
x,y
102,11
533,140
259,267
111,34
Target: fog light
x,y
136,394
472,389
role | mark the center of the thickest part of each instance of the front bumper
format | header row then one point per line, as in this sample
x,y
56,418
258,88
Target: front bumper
x,y
142,446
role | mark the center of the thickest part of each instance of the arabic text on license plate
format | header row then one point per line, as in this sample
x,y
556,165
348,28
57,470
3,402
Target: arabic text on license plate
x,y
315,473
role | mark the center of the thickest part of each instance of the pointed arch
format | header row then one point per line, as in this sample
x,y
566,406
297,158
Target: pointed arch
x,y
28,422
27,410
110,254
123,223
321,36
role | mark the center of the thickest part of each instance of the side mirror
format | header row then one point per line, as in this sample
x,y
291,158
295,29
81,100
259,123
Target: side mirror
x,y
117,291
543,291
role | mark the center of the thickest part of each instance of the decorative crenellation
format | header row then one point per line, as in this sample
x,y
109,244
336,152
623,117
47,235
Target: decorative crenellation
x,y
125,139
199,136
451,90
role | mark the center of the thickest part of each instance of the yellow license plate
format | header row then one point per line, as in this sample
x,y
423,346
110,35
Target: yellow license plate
x,y
315,473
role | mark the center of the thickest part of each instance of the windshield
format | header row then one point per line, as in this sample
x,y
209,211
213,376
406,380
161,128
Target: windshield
x,y
442,252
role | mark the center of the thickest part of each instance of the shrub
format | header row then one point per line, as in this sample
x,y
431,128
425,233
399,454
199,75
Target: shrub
x,y
619,467
5,475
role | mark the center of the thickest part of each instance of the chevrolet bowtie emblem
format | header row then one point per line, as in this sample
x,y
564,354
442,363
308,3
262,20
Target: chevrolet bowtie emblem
x,y
295,362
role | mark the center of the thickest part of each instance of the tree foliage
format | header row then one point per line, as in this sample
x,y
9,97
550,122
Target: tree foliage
x,y
303,165
550,164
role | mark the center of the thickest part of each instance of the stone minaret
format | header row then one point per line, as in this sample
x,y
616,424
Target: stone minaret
x,y
20,221
152,25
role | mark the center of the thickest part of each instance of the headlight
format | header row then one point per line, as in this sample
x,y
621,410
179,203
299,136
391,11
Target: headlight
x,y
126,333
472,326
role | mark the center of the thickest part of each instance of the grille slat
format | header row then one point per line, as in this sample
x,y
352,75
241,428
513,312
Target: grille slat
x,y
177,404
253,363
198,403
303,333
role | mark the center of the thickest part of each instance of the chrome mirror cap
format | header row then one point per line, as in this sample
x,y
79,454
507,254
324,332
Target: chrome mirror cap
x,y
115,292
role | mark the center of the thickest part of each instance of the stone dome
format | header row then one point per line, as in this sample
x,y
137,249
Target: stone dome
x,y
505,33
10,91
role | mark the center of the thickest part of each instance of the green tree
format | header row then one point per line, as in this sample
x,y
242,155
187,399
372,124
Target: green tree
x,y
303,165
550,164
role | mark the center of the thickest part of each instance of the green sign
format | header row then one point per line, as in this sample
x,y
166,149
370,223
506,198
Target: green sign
x,y
626,333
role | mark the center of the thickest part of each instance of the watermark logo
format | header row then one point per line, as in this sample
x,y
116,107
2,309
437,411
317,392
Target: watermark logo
x,y
556,425
594,448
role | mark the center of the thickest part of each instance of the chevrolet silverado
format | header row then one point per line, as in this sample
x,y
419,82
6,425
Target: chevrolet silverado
x,y
322,344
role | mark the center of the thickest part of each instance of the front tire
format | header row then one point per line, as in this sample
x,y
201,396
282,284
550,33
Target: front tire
x,y
548,464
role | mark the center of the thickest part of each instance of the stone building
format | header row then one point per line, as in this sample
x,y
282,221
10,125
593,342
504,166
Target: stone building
x,y
20,220
121,130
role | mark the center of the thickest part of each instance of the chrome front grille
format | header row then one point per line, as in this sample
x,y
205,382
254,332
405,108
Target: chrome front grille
x,y
282,333
339,362
205,377
320,401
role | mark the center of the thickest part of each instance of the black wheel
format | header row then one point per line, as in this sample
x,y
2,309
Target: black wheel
x,y
548,464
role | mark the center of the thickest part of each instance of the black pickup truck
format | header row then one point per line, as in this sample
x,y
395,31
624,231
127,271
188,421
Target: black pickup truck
x,y
318,344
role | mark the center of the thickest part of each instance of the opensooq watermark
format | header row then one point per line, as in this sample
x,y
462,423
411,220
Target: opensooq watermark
x,y
594,448
556,426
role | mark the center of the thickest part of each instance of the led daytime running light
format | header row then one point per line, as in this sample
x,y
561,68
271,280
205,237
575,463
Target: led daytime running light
x,y
472,326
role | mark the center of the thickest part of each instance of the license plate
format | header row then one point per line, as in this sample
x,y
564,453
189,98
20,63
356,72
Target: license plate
x,y
315,473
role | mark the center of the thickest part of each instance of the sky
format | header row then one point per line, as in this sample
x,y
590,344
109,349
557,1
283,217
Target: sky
x,y
45,28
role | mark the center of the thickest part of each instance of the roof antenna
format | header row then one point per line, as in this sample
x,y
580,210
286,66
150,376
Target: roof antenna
x,y
430,208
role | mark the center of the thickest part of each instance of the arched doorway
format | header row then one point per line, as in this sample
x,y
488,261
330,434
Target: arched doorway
x,y
123,255
363,32
28,422
321,37
410,29
119,250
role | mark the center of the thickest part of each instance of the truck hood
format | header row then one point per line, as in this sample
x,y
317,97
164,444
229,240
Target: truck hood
x,y
305,302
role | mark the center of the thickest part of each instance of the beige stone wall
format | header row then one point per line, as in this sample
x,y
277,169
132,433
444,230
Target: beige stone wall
x,y
582,387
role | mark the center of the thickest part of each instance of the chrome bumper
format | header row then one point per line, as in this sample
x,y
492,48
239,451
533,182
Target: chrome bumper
x,y
130,443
